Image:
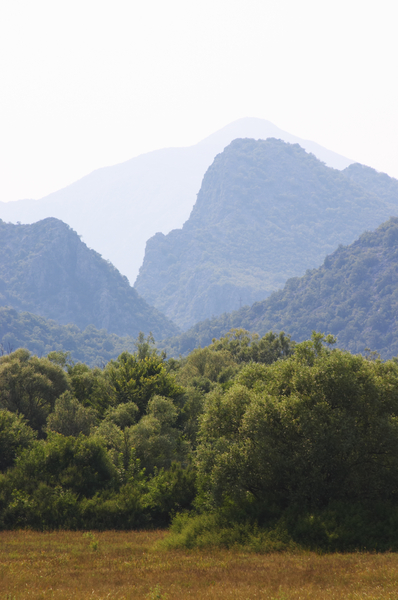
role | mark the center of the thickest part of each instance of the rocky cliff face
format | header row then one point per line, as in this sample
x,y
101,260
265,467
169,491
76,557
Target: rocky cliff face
x,y
117,209
46,269
266,211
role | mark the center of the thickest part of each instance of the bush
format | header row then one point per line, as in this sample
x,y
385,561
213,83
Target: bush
x,y
80,465
70,417
213,530
15,435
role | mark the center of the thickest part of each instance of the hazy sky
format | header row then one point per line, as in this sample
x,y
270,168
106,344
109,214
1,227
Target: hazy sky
x,y
84,84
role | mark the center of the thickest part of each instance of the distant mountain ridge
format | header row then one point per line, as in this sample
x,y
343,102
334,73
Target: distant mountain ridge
x,y
266,211
353,295
47,270
93,346
117,209
380,184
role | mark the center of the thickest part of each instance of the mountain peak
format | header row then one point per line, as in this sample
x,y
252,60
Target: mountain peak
x,y
46,269
117,209
266,211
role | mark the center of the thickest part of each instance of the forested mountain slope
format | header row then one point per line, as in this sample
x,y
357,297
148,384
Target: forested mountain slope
x,y
385,187
92,346
353,295
266,211
118,208
46,269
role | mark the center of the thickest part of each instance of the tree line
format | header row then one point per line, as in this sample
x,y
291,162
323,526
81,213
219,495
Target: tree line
x,y
254,441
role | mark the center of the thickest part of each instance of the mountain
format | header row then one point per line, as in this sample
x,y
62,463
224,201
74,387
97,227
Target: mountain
x,y
47,270
385,187
266,211
93,346
353,295
117,209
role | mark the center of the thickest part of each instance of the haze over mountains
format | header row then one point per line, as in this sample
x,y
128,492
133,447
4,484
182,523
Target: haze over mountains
x,y
47,270
266,211
353,295
92,346
117,209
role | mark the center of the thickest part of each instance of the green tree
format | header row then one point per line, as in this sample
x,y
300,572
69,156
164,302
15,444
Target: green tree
x,y
123,415
115,432
80,465
30,385
245,346
205,367
70,417
146,347
321,426
15,436
91,387
137,380
61,358
156,438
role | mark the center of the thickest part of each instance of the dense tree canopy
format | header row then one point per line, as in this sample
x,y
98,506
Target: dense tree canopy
x,y
15,436
136,380
30,385
318,427
298,440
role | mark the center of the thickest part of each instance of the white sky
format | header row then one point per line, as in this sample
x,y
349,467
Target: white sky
x,y
84,84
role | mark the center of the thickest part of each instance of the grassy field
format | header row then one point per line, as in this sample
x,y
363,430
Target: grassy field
x,y
123,565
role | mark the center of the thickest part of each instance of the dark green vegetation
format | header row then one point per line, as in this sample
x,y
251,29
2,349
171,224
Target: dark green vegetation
x,y
46,269
267,443
266,211
92,346
354,295
85,448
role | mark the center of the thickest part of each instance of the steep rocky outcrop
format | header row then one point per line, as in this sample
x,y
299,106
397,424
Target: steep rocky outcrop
x,y
46,269
266,211
118,208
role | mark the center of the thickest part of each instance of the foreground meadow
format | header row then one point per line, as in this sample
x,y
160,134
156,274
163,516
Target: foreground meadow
x,y
124,565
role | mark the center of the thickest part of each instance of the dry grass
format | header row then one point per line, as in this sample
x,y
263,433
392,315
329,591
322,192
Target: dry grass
x,y
124,565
